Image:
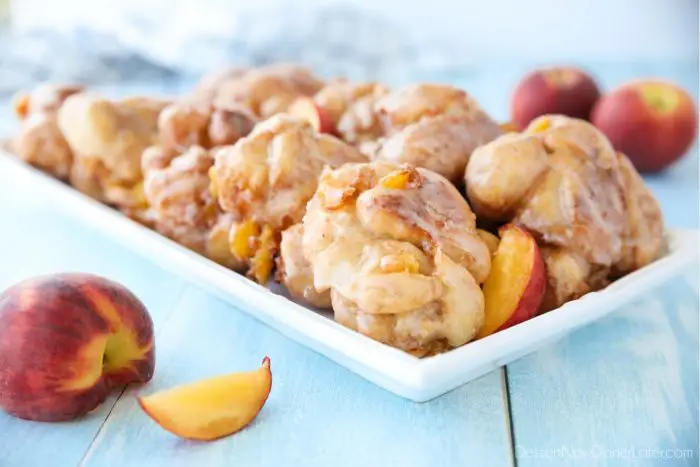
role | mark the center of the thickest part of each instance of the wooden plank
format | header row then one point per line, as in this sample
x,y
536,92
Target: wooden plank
x,y
623,391
318,413
35,240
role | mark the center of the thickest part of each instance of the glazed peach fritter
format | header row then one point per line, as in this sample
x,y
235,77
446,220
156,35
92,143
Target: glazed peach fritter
x,y
428,125
397,248
39,140
350,107
295,272
266,179
107,139
436,127
225,106
177,188
589,208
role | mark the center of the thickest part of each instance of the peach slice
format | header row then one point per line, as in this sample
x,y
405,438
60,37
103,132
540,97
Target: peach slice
x,y
515,288
489,239
306,108
212,408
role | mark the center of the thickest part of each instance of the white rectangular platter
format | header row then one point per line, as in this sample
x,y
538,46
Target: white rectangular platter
x,y
407,376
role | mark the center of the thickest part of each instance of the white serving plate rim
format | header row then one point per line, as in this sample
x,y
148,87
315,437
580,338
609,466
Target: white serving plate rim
x,y
405,375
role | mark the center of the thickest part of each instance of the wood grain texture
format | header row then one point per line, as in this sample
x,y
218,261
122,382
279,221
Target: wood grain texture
x,y
36,241
318,413
623,391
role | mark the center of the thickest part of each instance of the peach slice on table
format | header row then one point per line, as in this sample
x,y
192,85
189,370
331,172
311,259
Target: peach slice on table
x,y
319,118
212,408
515,287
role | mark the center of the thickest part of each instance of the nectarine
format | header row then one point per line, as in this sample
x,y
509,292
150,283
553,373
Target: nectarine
x,y
211,408
66,340
565,90
515,287
653,122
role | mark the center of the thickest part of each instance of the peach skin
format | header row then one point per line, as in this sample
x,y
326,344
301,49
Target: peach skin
x,y
654,123
515,288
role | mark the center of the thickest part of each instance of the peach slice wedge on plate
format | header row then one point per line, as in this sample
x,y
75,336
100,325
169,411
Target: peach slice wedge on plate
x,y
319,118
515,287
211,408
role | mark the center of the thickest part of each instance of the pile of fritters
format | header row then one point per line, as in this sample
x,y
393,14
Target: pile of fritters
x,y
376,216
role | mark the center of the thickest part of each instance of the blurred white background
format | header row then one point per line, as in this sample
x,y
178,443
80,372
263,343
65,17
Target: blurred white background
x,y
436,33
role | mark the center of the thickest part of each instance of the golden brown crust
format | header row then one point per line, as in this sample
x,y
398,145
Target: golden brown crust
x,y
39,141
268,90
269,175
432,126
225,106
192,123
217,246
397,248
179,191
184,124
416,102
428,213
350,106
294,270
442,144
107,139
643,240
266,179
227,126
114,133
339,94
177,188
562,180
499,175
45,98
569,277
86,176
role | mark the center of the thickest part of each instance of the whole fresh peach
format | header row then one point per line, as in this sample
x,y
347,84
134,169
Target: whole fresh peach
x,y
653,122
66,340
566,91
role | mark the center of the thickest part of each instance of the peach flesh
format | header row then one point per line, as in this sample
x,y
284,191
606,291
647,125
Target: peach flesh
x,y
212,408
515,287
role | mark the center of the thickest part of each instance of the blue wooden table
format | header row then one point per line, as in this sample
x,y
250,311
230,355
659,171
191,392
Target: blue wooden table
x,y
623,391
